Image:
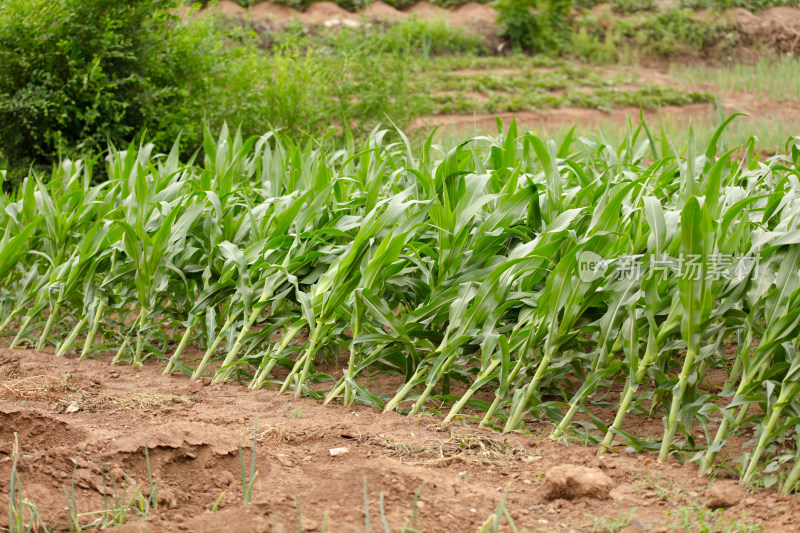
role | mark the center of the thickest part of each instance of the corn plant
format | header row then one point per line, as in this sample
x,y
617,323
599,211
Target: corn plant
x,y
528,275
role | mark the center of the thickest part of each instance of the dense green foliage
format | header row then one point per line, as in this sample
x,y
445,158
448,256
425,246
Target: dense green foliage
x,y
74,73
607,38
427,38
504,264
535,25
77,74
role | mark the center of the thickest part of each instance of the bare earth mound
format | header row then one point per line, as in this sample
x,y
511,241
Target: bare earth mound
x,y
427,11
227,7
94,422
479,17
779,27
383,12
268,11
328,14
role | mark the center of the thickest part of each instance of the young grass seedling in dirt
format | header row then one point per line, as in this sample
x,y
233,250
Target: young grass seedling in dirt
x,y
697,518
603,524
217,502
494,522
116,506
23,516
72,506
152,497
249,480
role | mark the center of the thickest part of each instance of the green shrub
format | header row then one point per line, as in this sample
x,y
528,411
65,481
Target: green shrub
x,y
592,49
670,32
535,26
661,34
359,78
586,4
74,73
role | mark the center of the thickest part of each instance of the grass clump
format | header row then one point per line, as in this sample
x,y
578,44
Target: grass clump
x,y
434,37
606,38
535,25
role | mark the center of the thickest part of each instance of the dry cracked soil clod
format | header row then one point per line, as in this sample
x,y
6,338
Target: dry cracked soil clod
x,y
572,481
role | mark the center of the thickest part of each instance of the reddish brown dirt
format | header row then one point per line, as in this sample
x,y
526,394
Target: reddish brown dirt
x,y
480,18
778,26
555,119
427,11
270,12
227,7
327,13
70,415
383,12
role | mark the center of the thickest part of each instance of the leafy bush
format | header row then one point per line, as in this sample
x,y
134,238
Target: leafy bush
x,y
663,34
586,4
534,25
670,32
74,73
359,78
592,49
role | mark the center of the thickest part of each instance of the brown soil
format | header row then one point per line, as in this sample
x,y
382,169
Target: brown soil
x,y
227,7
70,415
268,11
477,12
427,11
565,117
383,12
480,18
328,13
789,16
742,17
778,27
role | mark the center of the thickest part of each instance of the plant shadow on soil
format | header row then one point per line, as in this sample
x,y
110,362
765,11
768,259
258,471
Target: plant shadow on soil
x,y
80,425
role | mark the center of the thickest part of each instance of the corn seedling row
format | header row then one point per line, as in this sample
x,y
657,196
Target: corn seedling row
x,y
513,267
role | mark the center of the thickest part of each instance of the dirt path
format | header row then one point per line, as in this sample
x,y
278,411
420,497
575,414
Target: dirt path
x,y
73,415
